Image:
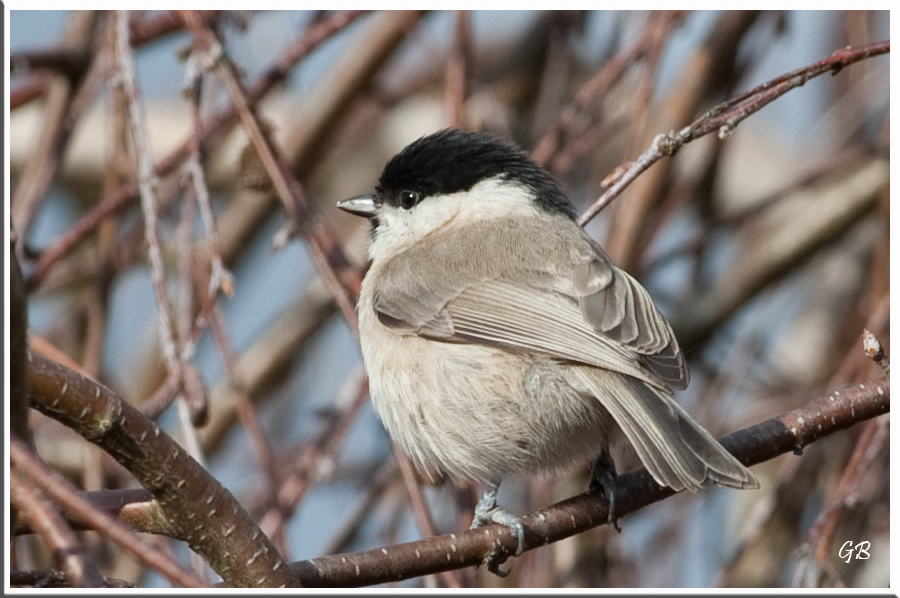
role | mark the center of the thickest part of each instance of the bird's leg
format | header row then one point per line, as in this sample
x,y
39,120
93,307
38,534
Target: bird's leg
x,y
487,511
604,477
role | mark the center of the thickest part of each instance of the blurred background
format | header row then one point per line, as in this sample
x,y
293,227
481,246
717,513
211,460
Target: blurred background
x,y
768,251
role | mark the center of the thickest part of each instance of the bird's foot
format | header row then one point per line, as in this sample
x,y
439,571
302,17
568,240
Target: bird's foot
x,y
487,512
604,478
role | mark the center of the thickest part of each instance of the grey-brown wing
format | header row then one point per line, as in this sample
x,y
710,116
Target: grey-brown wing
x,y
617,306
517,318
588,311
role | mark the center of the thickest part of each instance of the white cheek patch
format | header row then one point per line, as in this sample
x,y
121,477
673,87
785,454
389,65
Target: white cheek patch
x,y
399,229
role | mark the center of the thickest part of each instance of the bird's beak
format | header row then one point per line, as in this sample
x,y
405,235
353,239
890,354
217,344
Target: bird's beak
x,y
361,205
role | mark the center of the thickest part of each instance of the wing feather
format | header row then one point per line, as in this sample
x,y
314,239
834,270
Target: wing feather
x,y
469,287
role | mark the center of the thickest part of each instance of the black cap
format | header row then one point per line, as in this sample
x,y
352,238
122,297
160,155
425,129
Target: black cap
x,y
454,160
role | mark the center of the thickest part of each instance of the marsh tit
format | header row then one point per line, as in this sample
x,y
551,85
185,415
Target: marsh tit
x,y
500,339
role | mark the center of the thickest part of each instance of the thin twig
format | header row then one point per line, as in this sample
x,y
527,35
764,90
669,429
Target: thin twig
x,y
213,131
46,521
146,183
324,248
60,490
458,70
420,509
727,115
605,77
316,455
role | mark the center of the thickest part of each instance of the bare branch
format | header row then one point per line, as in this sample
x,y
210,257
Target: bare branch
x,y
214,130
727,115
69,553
55,486
197,508
787,433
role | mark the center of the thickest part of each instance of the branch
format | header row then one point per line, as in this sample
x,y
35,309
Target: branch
x,y
726,116
46,520
788,433
29,467
132,506
54,579
213,131
794,229
341,278
197,508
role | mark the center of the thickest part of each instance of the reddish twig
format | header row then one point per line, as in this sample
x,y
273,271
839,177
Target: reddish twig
x,y
24,90
605,77
46,521
341,278
317,453
421,512
213,131
259,444
375,486
726,116
126,505
60,490
458,69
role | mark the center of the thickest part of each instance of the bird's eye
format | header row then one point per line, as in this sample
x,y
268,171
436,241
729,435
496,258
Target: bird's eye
x,y
408,199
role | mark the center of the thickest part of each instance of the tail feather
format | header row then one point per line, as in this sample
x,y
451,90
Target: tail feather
x,y
674,448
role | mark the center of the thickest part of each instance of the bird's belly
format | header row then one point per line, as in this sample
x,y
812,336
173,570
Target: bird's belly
x,y
476,412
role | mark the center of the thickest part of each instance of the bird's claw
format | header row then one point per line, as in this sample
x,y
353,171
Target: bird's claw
x,y
604,478
499,516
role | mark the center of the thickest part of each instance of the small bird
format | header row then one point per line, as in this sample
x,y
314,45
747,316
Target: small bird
x,y
500,339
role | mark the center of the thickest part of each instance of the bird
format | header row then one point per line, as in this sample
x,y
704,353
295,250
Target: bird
x,y
500,339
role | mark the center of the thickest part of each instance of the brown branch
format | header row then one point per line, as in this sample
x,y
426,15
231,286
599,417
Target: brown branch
x,y
787,433
727,115
197,508
67,98
213,131
43,517
131,506
54,579
459,68
341,278
30,467
70,62
18,350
